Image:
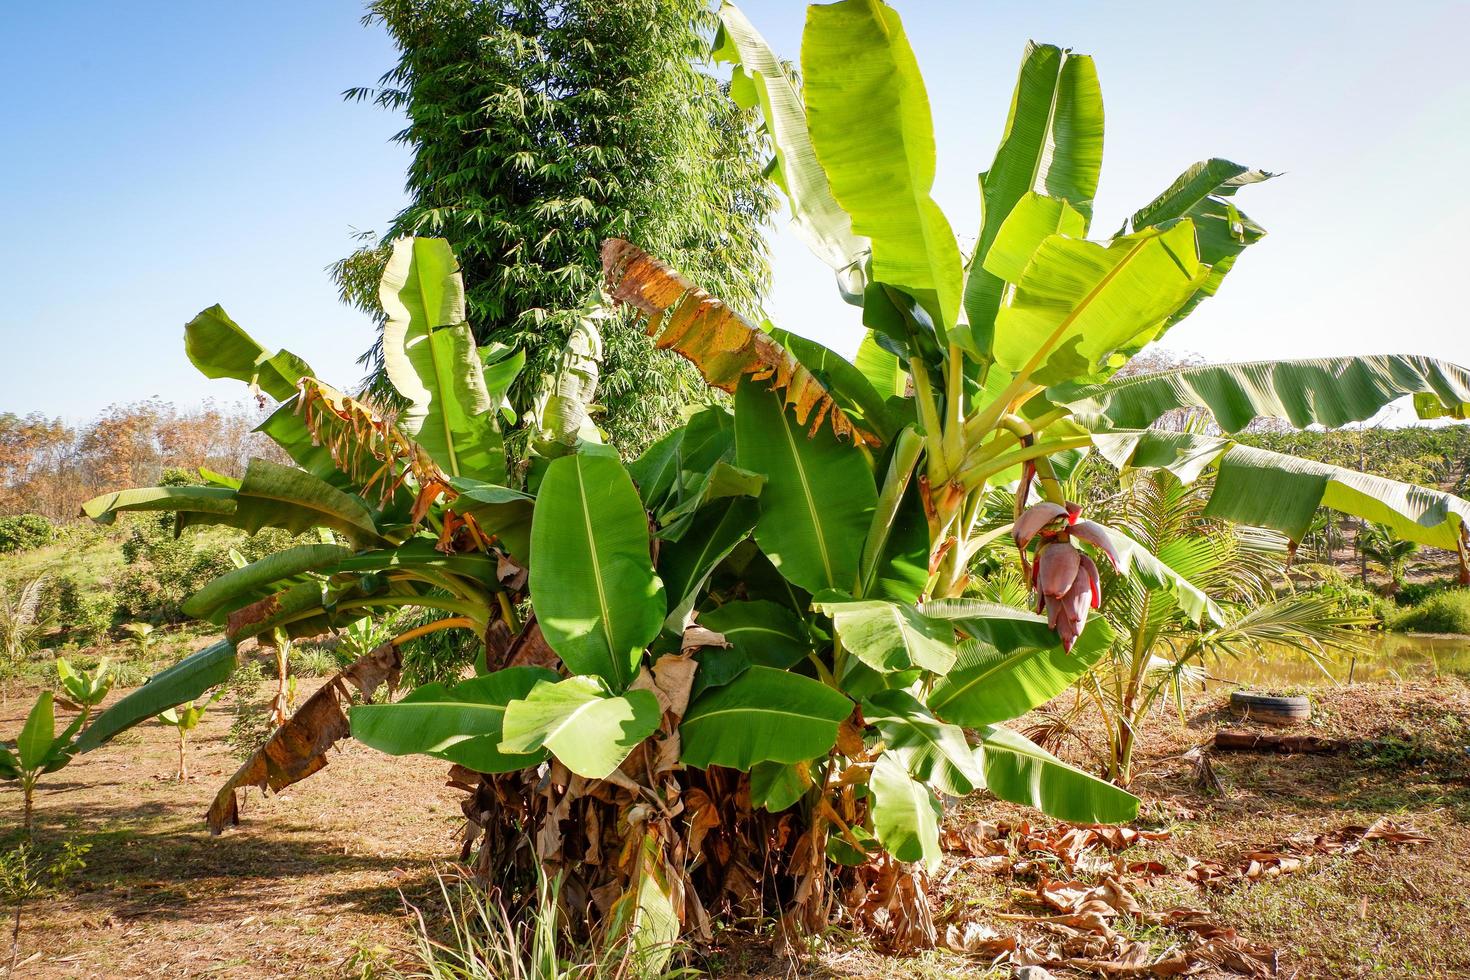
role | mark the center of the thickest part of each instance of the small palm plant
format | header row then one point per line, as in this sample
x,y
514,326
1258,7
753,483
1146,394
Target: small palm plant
x,y
24,623
1381,548
186,717
1162,642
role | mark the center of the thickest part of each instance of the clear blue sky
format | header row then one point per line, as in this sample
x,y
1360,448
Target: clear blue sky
x,y
166,156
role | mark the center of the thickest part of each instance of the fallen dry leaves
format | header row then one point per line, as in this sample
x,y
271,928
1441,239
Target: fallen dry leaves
x,y
1078,926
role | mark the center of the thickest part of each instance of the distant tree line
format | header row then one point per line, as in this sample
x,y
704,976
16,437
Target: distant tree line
x,y
48,467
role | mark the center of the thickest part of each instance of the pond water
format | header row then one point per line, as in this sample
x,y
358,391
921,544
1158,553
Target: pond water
x,y
1386,656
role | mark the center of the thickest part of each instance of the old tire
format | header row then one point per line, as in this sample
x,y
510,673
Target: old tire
x,y
1269,709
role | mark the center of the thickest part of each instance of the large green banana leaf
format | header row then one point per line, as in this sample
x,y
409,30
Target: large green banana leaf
x,y
815,213
220,349
763,715
593,587
1281,492
1052,144
1078,301
243,586
889,636
905,813
1019,770
586,726
819,495
272,495
933,752
217,501
1330,391
1011,664
869,119
182,682
1203,194
462,723
431,358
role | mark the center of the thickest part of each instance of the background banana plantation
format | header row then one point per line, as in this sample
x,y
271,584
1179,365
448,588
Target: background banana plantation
x,y
745,674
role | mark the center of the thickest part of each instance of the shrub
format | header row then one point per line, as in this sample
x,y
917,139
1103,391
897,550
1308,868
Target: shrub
x,y
1414,593
1444,612
25,532
84,613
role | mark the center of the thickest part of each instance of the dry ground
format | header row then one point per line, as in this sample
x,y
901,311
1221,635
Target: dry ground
x,y
310,884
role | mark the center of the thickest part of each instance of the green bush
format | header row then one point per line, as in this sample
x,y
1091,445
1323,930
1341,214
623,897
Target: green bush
x,y
1444,612
1415,593
84,613
25,532
163,571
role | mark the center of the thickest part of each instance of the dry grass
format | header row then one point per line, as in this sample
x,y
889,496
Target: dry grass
x,y
309,885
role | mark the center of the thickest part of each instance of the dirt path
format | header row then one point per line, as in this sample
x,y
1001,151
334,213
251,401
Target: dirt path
x,y
308,885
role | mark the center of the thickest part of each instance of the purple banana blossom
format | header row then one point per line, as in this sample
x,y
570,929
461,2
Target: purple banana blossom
x,y
1066,580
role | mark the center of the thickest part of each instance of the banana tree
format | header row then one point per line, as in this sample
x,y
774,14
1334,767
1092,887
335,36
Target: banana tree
x,y
743,669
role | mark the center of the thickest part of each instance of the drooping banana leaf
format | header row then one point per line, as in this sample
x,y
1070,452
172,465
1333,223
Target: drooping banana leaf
x,y
593,586
717,340
430,357
219,348
462,723
182,682
272,495
869,119
1330,391
1078,301
1281,492
819,496
932,751
905,813
1052,145
1011,663
243,586
889,636
103,509
815,214
1019,770
586,726
763,715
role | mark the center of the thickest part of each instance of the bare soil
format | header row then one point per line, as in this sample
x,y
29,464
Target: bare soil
x,y
314,881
